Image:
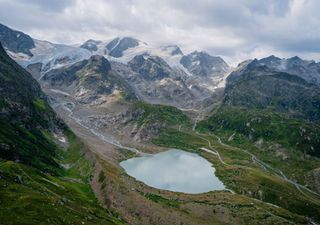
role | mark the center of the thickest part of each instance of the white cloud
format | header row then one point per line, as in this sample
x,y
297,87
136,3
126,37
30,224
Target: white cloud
x,y
236,30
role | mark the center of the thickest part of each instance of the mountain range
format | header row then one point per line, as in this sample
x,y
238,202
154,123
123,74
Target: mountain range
x,y
70,113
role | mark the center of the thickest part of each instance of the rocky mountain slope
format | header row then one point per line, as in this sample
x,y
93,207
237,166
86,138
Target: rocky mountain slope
x,y
24,112
274,113
161,75
265,87
203,64
89,81
308,70
32,163
16,41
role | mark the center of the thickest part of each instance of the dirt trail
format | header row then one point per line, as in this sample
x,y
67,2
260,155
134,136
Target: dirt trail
x,y
269,168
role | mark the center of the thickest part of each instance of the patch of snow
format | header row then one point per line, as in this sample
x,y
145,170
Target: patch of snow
x,y
62,139
54,56
119,39
20,57
60,92
283,64
195,63
82,92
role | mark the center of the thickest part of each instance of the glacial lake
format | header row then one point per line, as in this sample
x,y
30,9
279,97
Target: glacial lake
x,y
174,170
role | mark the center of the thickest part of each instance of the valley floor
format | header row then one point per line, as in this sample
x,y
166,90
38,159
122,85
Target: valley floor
x,y
248,202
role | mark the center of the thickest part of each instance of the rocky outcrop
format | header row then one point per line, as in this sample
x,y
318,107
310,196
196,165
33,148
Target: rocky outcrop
x,y
154,81
24,116
118,45
16,41
90,45
150,67
260,87
203,64
173,50
89,80
314,179
308,70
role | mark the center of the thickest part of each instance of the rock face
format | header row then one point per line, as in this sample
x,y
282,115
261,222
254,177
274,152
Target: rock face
x,y
150,67
173,49
24,115
20,93
16,41
152,73
308,70
117,46
264,87
91,45
154,81
89,80
314,179
203,64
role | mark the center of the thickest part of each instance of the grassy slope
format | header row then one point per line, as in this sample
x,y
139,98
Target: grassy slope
x,y
208,208
29,146
29,196
242,175
270,135
160,113
24,114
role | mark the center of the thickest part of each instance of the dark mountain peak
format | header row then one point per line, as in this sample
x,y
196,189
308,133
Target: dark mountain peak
x,y
295,58
204,53
98,59
204,57
98,62
118,45
174,49
203,64
130,40
308,70
245,63
91,45
138,59
150,67
93,41
16,41
142,58
270,58
112,43
273,57
95,65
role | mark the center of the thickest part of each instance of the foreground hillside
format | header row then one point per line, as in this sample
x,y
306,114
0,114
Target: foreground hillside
x,y
40,180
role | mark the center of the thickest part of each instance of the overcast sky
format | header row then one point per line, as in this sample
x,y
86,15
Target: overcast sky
x,y
234,29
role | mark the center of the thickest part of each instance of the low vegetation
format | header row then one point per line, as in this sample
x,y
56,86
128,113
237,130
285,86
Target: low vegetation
x,y
243,175
29,196
269,126
283,142
162,114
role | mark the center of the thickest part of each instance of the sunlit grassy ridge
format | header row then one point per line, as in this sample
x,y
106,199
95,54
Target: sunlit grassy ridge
x,y
281,141
29,196
242,175
255,124
161,113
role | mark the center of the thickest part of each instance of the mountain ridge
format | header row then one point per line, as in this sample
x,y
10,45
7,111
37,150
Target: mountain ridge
x,y
258,124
